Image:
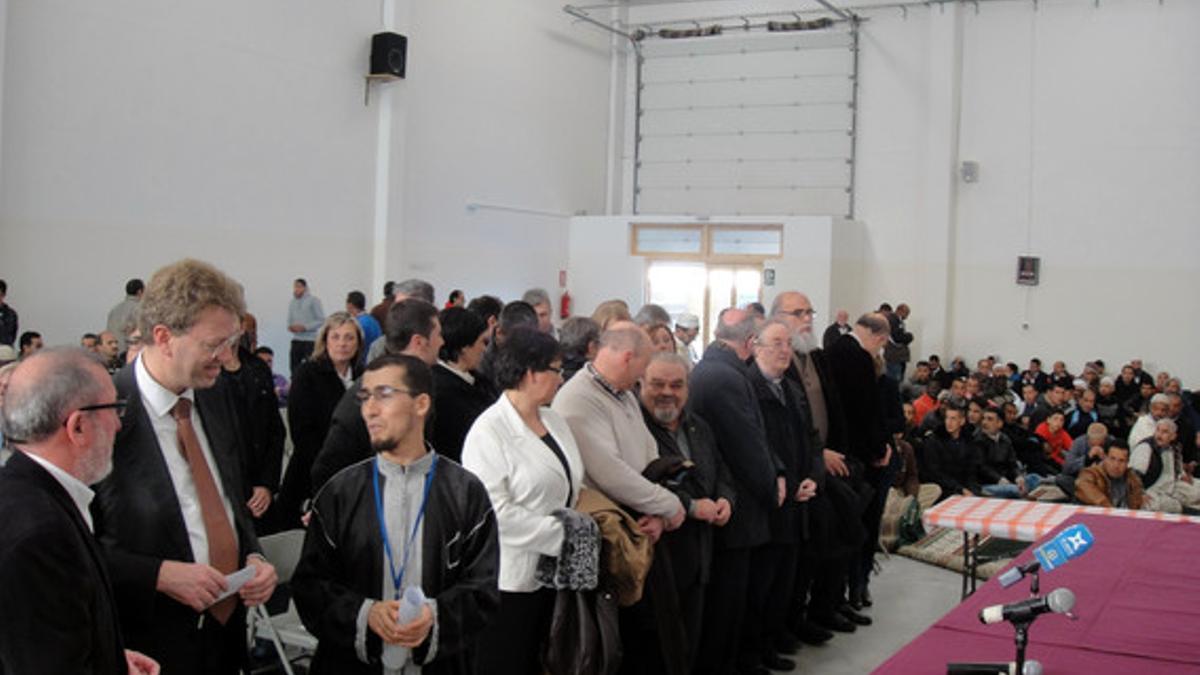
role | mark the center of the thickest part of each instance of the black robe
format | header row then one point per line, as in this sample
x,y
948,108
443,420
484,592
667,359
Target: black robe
x,y
342,565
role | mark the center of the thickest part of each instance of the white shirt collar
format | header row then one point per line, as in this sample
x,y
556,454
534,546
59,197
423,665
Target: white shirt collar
x,y
157,398
467,377
80,494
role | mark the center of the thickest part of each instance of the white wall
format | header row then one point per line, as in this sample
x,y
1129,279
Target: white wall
x,y
1083,120
506,104
1089,143
137,132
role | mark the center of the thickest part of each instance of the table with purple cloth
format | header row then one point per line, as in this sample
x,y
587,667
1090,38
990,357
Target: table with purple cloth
x,y
1137,598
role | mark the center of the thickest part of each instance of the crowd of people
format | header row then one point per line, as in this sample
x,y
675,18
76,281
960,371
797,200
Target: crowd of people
x,y
1128,441
485,492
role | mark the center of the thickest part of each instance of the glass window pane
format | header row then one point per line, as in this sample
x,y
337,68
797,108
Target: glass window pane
x,y
678,287
747,282
720,294
668,240
747,242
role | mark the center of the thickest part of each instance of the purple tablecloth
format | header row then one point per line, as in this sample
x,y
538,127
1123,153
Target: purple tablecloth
x,y
1137,597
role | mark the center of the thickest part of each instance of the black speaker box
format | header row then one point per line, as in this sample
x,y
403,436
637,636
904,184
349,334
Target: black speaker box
x,y
389,51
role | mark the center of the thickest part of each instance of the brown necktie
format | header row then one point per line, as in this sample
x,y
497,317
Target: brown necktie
x,y
816,396
222,543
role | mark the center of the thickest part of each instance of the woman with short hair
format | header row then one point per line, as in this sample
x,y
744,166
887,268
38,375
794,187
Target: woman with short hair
x,y
526,457
459,395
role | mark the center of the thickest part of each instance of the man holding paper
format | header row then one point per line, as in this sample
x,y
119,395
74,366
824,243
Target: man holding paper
x,y
170,516
401,559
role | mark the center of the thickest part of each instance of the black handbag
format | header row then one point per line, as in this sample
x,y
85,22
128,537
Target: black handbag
x,y
584,636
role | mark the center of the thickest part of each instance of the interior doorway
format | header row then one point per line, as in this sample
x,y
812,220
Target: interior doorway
x,y
703,289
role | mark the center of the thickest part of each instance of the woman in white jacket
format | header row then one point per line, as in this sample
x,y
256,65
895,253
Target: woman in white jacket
x,y
525,456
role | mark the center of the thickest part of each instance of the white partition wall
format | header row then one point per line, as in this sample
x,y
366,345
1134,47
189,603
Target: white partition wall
x,y
601,266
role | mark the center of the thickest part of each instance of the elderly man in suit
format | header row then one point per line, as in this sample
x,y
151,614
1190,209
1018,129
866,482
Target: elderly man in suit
x,y
853,363
171,515
62,413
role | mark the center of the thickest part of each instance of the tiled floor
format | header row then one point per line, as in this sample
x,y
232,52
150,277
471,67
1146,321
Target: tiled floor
x,y
909,596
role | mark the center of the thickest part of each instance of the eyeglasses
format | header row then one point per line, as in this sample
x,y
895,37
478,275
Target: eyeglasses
x,y
801,313
383,393
118,405
552,369
214,351
777,346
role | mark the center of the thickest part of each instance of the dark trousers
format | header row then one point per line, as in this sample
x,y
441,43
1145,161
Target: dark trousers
x,y
819,590
512,643
205,647
772,575
724,611
301,350
880,480
641,651
691,609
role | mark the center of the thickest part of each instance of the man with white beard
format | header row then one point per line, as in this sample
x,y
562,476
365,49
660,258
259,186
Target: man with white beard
x,y
820,580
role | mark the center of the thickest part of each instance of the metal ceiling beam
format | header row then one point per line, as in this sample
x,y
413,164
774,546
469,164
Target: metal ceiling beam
x,y
829,6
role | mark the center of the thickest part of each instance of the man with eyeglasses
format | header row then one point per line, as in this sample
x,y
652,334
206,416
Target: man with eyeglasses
x,y
820,579
60,616
402,520
171,516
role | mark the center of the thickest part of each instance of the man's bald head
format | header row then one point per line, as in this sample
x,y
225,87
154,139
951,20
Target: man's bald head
x,y
872,330
46,387
735,329
624,354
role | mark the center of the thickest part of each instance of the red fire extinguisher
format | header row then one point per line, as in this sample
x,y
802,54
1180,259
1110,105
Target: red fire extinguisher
x,y
564,310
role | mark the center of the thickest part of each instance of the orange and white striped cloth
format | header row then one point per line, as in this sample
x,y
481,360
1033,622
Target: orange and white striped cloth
x,y
1023,520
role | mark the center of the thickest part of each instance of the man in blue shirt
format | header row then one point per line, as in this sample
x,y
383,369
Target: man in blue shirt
x,y
356,305
305,317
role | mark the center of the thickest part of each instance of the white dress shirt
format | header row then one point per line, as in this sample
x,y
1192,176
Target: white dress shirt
x,y
80,494
158,402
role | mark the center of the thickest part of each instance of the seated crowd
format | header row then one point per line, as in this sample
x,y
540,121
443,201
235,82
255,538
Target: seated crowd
x,y
456,471
1128,442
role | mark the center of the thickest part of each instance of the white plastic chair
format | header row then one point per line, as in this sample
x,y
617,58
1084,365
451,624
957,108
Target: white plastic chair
x,y
285,629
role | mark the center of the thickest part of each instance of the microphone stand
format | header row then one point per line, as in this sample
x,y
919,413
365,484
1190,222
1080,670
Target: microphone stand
x,y
1034,584
1022,640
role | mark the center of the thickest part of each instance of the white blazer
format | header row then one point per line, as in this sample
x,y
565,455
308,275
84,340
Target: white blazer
x,y
526,483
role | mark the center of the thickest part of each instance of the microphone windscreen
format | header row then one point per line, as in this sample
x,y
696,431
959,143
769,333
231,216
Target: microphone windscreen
x,y
1060,600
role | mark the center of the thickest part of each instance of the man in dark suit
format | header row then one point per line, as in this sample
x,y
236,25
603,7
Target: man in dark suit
x,y
171,515
852,361
705,488
723,395
62,413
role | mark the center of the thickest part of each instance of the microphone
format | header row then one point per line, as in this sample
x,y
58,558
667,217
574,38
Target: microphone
x,y
1069,544
1058,601
1010,668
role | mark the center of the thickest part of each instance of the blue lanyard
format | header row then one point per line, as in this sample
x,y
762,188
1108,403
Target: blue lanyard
x,y
398,577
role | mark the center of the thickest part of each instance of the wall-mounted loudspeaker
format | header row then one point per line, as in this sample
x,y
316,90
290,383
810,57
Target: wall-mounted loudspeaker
x,y
389,51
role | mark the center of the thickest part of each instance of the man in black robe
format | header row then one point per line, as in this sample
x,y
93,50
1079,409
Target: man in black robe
x,y
438,533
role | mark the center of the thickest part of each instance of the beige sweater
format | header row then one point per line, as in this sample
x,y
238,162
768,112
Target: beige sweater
x,y
614,443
